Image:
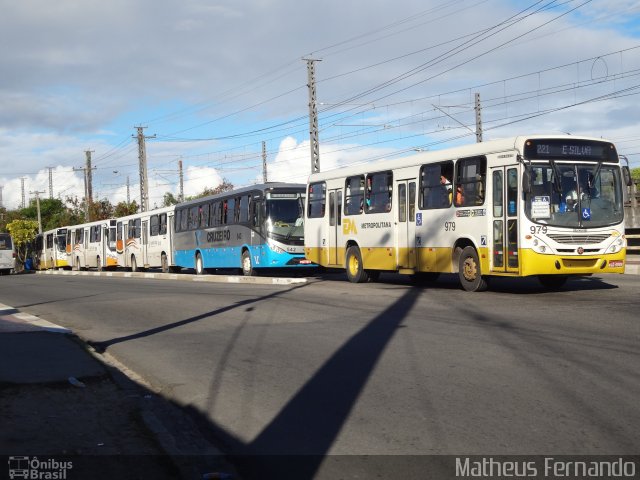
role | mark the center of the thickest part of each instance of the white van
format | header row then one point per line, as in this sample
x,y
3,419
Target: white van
x,y
7,254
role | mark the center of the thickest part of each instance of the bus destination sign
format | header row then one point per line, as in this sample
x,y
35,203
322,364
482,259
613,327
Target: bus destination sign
x,y
575,150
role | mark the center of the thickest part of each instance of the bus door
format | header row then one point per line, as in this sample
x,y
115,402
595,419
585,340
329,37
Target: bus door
x,y
335,253
144,240
503,234
405,223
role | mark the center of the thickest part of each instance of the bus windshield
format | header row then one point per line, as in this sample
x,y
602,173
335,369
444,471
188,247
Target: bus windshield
x,y
5,242
574,195
285,218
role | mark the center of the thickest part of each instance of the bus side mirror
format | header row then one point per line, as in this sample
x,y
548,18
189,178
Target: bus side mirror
x,y
628,181
526,180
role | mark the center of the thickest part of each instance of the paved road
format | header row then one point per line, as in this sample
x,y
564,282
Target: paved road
x,y
380,368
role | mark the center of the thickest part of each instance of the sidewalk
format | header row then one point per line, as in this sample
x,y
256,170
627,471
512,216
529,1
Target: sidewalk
x,y
64,407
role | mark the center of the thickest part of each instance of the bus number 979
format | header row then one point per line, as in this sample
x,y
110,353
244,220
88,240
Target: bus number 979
x,y
449,226
538,229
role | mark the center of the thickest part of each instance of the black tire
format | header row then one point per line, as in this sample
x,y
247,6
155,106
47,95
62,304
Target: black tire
x,y
164,263
247,264
469,271
553,282
199,264
134,264
355,269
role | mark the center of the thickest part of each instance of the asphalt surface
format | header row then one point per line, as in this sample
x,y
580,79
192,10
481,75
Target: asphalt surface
x,y
327,367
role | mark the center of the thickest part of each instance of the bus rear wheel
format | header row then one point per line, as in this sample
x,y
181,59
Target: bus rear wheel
x,y
355,268
247,265
469,272
199,264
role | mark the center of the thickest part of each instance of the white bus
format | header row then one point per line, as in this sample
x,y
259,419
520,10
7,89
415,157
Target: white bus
x,y
7,254
51,249
145,240
92,245
550,206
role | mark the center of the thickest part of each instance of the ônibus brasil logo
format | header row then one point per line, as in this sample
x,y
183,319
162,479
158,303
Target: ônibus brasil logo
x,y
33,468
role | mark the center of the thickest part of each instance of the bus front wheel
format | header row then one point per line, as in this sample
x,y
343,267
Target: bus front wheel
x,y
247,266
355,268
469,272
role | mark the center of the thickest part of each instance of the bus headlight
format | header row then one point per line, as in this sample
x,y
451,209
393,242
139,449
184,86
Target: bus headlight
x,y
616,245
540,247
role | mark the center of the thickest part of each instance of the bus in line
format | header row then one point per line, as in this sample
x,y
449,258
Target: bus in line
x,y
545,206
7,254
92,245
145,240
50,247
252,229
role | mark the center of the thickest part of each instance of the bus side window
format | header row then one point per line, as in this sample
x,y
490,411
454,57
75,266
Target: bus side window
x,y
471,176
162,224
378,192
153,225
317,198
354,195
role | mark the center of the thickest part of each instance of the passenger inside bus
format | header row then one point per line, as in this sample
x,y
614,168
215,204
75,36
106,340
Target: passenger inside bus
x,y
447,192
459,195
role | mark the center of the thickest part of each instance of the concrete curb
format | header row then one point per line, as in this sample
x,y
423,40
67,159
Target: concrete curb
x,y
12,320
183,277
632,268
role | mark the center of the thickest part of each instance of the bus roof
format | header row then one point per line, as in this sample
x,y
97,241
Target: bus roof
x,y
239,191
484,148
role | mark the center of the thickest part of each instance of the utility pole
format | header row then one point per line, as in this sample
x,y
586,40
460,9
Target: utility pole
x,y
264,162
313,115
89,174
1,187
37,194
23,198
478,109
50,183
87,185
128,196
181,194
144,179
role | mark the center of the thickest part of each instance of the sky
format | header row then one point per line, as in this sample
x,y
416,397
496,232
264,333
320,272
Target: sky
x,y
210,81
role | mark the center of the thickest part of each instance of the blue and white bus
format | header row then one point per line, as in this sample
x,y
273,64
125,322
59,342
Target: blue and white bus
x,y
252,228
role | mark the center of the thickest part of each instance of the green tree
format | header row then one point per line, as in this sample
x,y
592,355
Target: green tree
x,y
225,186
101,210
22,232
169,199
52,212
635,175
123,209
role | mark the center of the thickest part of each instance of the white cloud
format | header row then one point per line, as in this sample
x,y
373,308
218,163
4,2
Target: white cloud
x,y
74,70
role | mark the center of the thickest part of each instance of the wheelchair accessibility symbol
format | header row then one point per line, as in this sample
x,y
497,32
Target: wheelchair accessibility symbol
x,y
586,214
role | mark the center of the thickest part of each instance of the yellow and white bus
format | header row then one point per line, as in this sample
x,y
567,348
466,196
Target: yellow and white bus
x,y
50,248
550,206
92,245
